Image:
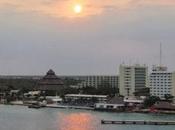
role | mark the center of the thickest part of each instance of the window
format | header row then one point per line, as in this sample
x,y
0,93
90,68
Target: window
x,y
101,106
110,106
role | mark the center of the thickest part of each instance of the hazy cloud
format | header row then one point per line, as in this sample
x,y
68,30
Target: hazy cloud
x,y
36,35
63,8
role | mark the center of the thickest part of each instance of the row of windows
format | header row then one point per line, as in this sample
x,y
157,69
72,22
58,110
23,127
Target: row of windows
x,y
160,88
160,82
101,78
160,85
160,76
162,92
161,79
97,82
157,94
161,73
101,81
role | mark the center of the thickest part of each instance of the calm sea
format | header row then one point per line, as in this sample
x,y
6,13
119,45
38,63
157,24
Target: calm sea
x,y
23,118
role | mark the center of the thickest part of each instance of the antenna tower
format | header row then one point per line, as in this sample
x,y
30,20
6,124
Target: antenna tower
x,y
160,55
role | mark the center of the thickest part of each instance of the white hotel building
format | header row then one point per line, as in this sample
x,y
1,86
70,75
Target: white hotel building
x,y
95,80
132,79
161,82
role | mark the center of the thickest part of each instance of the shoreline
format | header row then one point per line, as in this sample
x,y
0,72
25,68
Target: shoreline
x,y
92,109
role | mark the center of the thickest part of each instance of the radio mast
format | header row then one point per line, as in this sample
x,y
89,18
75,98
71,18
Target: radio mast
x,y
160,55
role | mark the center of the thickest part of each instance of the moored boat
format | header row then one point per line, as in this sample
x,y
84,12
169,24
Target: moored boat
x,y
34,105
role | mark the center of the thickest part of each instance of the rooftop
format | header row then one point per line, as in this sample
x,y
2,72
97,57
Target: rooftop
x,y
50,79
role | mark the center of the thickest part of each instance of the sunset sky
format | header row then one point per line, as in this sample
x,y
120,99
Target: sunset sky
x,y
84,37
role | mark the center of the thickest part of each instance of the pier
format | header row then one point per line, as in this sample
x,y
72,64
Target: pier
x,y
68,107
136,122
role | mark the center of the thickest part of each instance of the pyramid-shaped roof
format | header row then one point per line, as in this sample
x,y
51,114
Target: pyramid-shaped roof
x,y
51,79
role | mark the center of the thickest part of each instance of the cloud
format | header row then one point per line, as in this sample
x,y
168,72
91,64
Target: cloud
x,y
115,31
63,8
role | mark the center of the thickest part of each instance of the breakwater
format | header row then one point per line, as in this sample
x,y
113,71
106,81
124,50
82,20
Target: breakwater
x,y
137,122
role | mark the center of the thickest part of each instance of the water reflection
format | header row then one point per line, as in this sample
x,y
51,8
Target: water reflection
x,y
22,118
76,121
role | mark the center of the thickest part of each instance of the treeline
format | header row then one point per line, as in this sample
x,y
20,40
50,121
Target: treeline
x,y
29,84
90,90
21,84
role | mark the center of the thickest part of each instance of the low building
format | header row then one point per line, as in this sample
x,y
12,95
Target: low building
x,y
84,100
163,106
134,103
32,93
98,98
53,99
115,104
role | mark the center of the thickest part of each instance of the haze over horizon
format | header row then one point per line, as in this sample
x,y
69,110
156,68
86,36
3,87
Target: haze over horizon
x,y
36,35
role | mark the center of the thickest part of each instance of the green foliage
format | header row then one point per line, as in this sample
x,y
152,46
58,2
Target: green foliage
x,y
106,91
25,85
103,89
68,90
22,84
99,91
168,97
70,81
89,90
151,101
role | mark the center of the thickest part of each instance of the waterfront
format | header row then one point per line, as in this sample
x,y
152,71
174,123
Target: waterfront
x,y
23,118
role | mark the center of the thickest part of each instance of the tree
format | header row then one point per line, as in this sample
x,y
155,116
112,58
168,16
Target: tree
x,y
105,88
151,101
106,91
89,90
168,97
68,90
70,81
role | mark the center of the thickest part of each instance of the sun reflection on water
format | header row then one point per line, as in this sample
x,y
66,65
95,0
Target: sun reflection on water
x,y
76,121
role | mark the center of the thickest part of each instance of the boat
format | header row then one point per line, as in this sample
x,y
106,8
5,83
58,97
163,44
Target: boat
x,y
34,105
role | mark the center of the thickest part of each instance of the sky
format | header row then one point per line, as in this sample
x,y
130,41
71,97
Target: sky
x,y
38,35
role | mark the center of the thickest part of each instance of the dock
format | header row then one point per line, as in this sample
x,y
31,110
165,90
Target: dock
x,y
68,107
136,122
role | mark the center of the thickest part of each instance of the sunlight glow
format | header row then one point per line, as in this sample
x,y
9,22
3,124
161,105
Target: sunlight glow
x,y
76,121
77,8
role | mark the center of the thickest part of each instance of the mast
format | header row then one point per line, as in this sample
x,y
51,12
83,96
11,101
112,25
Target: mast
x,y
160,55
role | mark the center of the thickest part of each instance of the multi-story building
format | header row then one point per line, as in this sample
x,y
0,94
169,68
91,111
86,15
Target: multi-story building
x,y
95,81
161,82
132,79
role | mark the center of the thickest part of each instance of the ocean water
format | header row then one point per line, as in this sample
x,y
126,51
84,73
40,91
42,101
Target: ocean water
x,y
23,118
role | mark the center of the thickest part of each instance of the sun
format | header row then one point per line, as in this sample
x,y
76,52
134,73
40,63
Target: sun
x,y
77,8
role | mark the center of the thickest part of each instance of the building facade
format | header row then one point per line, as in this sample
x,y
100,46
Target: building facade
x,y
132,79
95,81
161,82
